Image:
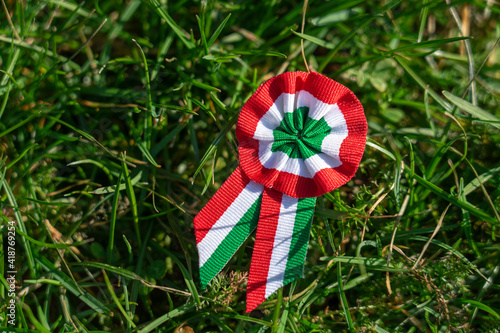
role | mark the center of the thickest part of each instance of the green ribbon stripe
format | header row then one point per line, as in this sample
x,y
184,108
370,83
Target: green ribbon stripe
x,y
299,136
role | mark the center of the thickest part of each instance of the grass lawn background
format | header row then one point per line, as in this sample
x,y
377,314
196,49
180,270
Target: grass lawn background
x,y
143,96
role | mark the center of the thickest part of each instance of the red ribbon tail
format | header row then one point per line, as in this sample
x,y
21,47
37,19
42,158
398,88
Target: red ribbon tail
x,y
263,249
280,244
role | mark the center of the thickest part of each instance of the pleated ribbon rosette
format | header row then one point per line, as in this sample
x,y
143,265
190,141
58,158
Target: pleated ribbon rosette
x,y
301,135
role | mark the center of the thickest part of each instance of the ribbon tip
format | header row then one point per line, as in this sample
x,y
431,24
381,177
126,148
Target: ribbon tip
x,y
251,307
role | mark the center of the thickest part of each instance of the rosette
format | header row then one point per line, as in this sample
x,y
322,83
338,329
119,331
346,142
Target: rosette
x,y
300,136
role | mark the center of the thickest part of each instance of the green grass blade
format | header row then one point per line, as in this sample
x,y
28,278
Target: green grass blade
x,y
191,285
343,299
215,144
436,43
164,318
422,84
424,13
88,137
133,202
370,263
198,84
432,125
21,226
286,311
166,139
81,326
202,34
354,31
97,164
146,144
277,310
454,200
10,68
38,49
447,248
70,286
116,300
73,16
466,221
33,319
5,98
19,124
348,37
218,31
129,275
70,6
117,270
473,110
147,155
48,245
261,53
372,143
157,7
478,305
111,189
217,101
112,222
11,164
483,178
315,40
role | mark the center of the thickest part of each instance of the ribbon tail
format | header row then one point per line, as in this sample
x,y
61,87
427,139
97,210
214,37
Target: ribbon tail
x,y
280,244
225,223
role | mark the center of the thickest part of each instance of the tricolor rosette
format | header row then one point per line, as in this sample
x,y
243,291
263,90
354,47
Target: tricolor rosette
x,y
301,135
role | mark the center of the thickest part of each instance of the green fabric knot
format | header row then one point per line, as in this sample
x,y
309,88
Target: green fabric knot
x,y
299,136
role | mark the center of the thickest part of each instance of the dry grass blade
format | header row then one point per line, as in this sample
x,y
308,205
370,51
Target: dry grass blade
x,y
396,223
304,8
7,14
436,230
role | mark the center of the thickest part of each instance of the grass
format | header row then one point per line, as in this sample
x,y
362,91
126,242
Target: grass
x,y
117,126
